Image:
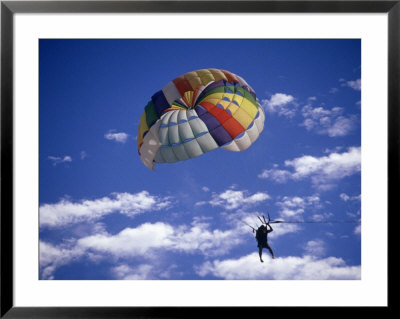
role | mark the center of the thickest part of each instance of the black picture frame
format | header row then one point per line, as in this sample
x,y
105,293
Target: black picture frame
x,y
9,8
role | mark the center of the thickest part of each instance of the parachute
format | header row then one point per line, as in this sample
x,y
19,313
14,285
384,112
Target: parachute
x,y
196,113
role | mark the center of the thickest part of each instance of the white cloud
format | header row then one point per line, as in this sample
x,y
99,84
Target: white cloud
x,y
355,85
333,90
143,271
138,241
277,175
315,247
232,199
346,197
279,99
199,238
283,229
334,150
357,230
83,155
340,126
280,103
329,122
51,257
67,212
294,207
201,203
130,241
316,113
147,240
282,268
323,171
333,166
321,217
58,160
119,137
125,272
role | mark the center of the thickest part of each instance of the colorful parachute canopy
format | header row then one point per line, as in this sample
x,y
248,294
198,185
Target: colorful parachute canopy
x,y
196,113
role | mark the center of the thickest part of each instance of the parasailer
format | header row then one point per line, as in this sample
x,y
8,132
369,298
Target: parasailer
x,y
262,235
262,240
265,228
197,113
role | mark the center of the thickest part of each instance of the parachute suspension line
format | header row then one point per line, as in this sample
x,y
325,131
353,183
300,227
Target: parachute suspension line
x,y
254,230
265,222
306,221
316,222
256,223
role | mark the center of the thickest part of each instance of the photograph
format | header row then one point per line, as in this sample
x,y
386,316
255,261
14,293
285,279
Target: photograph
x,y
200,159
160,158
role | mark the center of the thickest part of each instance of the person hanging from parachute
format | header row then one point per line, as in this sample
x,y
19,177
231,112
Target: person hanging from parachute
x,y
265,228
262,235
262,240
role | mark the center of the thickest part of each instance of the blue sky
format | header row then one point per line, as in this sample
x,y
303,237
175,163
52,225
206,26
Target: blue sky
x,y
104,215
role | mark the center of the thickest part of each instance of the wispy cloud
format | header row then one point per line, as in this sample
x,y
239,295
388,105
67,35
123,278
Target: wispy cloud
x,y
145,240
149,241
67,212
283,268
326,169
280,103
58,160
283,229
126,272
201,238
119,137
320,217
333,90
355,84
346,197
329,122
130,242
333,150
316,247
51,257
275,174
323,171
293,207
232,199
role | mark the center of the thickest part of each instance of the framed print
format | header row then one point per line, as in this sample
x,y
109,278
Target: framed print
x,y
165,157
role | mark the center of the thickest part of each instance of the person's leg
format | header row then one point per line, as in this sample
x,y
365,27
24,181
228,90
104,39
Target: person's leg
x,y
270,250
260,253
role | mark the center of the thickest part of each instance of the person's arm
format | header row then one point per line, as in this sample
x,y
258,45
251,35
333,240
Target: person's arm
x,y
270,228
